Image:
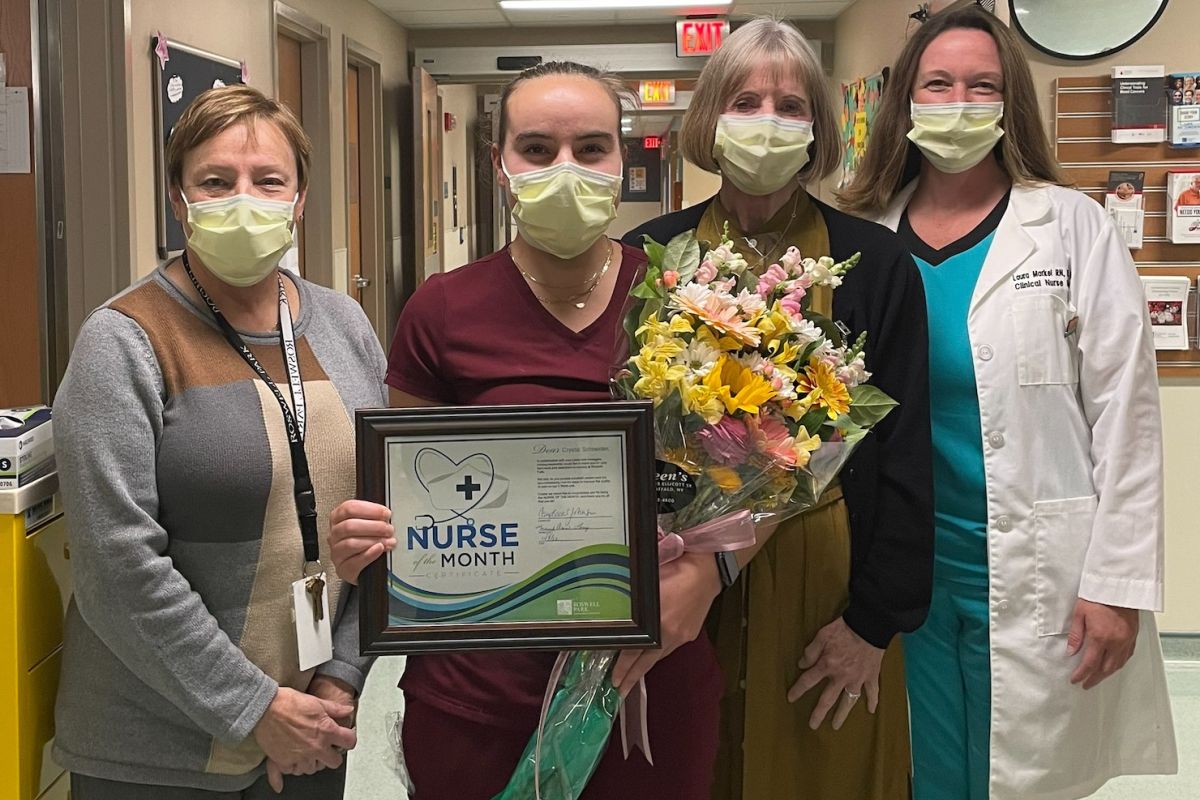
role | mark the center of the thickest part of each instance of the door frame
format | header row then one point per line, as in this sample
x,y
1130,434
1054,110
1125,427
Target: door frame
x,y
314,78
98,151
372,254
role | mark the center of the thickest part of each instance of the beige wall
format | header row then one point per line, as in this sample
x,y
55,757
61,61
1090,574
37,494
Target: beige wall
x,y
460,147
631,215
242,29
698,185
1170,43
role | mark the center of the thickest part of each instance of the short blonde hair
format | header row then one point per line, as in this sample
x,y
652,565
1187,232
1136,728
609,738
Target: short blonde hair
x,y
783,50
216,110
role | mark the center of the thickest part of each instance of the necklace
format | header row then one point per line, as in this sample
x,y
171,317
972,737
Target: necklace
x,y
578,299
753,241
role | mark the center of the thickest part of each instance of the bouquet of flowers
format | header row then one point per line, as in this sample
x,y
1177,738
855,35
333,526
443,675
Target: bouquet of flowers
x,y
759,400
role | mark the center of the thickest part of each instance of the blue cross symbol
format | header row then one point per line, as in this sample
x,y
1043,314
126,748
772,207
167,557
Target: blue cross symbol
x,y
468,487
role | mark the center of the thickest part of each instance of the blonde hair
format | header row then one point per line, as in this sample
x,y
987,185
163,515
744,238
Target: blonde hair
x,y
783,50
216,110
892,161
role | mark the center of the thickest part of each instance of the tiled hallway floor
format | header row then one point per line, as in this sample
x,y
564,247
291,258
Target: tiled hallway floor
x,y
373,776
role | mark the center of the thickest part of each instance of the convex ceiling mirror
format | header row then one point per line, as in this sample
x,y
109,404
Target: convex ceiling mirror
x,y
1084,29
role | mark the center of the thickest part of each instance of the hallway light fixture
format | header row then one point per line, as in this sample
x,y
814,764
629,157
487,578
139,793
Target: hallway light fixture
x,y
606,5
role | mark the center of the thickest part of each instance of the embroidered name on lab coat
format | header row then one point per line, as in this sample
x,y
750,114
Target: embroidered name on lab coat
x,y
1054,277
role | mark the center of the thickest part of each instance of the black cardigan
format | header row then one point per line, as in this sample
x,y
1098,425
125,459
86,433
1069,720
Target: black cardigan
x,y
888,482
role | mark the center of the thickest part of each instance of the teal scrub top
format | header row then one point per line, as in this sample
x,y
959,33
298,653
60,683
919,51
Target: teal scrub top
x,y
960,485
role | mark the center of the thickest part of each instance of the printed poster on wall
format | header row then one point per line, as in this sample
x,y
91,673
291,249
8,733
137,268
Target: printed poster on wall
x,y
860,102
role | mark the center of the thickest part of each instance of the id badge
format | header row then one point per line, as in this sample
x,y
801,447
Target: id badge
x,y
314,632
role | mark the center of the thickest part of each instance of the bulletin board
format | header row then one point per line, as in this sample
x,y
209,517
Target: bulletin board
x,y
1083,127
860,102
179,78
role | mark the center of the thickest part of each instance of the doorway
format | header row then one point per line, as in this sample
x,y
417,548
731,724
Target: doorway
x,y
365,257
302,84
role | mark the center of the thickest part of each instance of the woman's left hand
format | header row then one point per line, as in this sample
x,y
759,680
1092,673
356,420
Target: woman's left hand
x,y
687,587
326,688
849,662
1108,633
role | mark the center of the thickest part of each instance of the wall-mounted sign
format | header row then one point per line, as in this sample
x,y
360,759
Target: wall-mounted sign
x,y
657,93
699,37
652,143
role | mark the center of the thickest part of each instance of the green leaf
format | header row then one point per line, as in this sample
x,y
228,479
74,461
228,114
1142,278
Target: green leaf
x,y
814,419
868,405
649,289
682,255
851,431
654,251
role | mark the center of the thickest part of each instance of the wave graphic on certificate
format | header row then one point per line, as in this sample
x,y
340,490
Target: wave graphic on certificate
x,y
514,529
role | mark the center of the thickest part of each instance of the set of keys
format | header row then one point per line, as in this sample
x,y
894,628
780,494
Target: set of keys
x,y
315,586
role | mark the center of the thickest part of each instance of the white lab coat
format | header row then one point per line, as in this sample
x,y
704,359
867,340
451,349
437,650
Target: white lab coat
x,y
1068,401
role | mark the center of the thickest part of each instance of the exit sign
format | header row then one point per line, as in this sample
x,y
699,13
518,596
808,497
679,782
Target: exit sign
x,y
699,37
652,143
657,93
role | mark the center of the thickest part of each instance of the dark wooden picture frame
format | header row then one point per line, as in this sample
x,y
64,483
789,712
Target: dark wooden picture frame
x,y
634,421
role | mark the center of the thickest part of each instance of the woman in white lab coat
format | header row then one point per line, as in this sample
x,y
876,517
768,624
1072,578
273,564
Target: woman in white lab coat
x,y
1038,675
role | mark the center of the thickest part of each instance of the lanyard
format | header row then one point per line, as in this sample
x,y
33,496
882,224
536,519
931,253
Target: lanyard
x,y
306,499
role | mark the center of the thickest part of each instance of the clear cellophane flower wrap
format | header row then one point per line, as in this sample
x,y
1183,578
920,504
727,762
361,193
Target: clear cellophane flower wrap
x,y
758,403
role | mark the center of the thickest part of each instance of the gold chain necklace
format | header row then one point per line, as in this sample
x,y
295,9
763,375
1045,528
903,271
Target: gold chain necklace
x,y
579,299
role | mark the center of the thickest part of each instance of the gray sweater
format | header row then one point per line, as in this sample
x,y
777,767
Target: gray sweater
x,y
176,479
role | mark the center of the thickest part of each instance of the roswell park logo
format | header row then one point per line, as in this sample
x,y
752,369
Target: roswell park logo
x,y
449,534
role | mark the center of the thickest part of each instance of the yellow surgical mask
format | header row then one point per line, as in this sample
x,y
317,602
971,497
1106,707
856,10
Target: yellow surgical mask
x,y
956,136
761,154
564,208
240,239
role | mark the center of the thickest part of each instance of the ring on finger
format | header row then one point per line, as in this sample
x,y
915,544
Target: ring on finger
x,y
852,695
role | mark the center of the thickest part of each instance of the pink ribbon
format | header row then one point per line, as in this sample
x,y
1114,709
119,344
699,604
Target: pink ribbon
x,y
726,533
160,50
729,532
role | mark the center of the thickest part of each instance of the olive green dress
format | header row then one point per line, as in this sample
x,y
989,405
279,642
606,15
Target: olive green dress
x,y
797,584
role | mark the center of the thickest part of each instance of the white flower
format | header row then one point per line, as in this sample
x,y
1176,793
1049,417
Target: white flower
x,y
751,303
806,330
791,261
719,255
854,373
820,274
736,264
693,297
699,357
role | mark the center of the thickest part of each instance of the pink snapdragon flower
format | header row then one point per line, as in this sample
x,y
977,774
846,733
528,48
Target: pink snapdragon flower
x,y
791,303
707,273
767,282
670,279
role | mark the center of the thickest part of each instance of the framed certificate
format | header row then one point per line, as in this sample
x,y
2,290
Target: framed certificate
x,y
517,527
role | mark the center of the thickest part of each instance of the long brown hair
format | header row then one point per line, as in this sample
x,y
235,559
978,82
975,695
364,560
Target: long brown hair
x,y
892,160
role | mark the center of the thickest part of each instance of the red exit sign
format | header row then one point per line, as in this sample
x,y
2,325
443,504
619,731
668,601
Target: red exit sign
x,y
652,143
699,37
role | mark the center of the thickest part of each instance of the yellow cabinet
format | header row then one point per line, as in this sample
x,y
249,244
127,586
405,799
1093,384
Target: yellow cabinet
x,y
35,587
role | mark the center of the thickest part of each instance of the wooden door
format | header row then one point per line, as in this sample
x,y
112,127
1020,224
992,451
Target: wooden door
x,y
20,297
291,94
